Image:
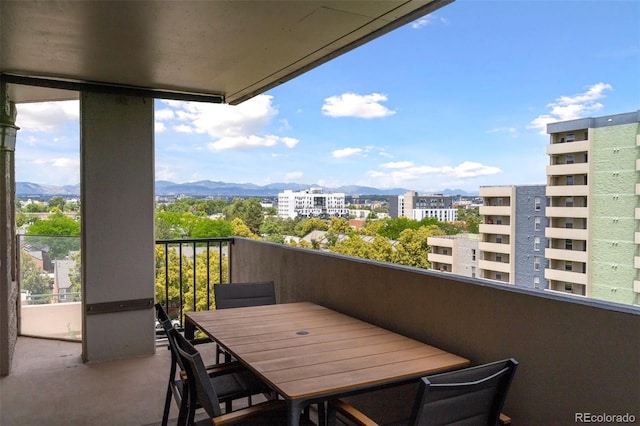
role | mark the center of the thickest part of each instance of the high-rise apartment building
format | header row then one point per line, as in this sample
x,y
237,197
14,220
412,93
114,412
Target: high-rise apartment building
x,y
457,254
593,186
512,235
311,203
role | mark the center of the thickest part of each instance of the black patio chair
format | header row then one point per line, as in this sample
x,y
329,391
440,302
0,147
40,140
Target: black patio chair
x,y
231,379
204,392
239,295
470,396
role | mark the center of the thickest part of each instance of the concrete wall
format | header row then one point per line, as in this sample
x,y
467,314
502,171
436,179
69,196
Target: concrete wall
x,y
525,233
58,320
613,203
575,355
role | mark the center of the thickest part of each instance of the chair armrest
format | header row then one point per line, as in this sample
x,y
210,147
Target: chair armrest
x,y
351,413
504,419
236,417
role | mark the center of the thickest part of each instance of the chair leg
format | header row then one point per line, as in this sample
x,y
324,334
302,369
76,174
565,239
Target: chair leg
x,y
167,406
322,414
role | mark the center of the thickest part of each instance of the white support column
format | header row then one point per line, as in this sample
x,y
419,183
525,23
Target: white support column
x,y
117,172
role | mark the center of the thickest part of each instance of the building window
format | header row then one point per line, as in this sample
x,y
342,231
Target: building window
x,y
568,244
570,159
498,220
536,221
568,266
568,287
473,272
499,276
568,202
473,255
499,201
536,282
499,239
498,258
537,204
536,243
569,180
568,223
445,251
536,263
571,137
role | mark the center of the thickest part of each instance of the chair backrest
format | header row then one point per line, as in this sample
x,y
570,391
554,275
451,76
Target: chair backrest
x,y
472,396
199,389
238,295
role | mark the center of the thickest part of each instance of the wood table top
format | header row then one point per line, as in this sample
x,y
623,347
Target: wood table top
x,y
306,351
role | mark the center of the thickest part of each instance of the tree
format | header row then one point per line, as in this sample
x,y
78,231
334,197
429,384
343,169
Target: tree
x,y
249,211
413,249
208,228
34,280
471,218
339,225
305,226
242,230
393,227
57,235
57,202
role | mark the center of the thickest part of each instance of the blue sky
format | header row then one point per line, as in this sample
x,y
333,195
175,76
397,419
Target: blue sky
x,y
458,99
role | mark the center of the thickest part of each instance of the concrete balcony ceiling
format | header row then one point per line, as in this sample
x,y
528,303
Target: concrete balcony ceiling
x,y
224,51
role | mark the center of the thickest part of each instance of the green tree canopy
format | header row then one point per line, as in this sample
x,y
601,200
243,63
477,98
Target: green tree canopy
x,y
249,211
57,202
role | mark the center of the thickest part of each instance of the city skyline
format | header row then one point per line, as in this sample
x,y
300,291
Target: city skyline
x,y
457,99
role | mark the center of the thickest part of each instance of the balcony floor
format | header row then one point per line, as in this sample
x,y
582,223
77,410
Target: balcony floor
x,y
50,385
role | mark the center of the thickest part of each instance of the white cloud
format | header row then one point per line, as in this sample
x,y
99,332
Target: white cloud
x,y
572,107
159,127
428,20
60,162
46,116
397,165
238,127
164,114
346,152
354,105
293,176
403,172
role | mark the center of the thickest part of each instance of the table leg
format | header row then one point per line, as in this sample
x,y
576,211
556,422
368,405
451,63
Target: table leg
x,y
189,329
293,412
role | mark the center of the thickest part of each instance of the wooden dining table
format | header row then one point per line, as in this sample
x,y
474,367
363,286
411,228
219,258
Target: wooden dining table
x,y
308,353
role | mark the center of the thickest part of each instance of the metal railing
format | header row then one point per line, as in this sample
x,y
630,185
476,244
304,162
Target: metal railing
x,y
187,269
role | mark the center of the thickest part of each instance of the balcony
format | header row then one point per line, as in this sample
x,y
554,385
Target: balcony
x,y
568,169
566,233
567,191
568,147
490,265
574,212
495,210
490,228
570,255
479,319
566,276
494,247
440,258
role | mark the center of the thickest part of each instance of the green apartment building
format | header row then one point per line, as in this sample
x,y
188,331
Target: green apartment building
x,y
593,191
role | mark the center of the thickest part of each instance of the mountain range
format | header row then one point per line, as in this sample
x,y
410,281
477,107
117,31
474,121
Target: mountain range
x,y
222,189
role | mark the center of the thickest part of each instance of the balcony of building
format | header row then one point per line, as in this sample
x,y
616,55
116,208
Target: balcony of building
x,y
495,247
446,259
568,169
495,210
569,212
568,147
565,190
494,228
475,318
493,264
564,275
566,233
505,191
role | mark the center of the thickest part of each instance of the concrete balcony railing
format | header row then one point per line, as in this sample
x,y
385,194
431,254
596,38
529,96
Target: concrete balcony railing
x,y
491,265
566,233
495,210
575,354
568,147
564,254
568,169
440,258
494,247
574,212
566,276
567,191
491,228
